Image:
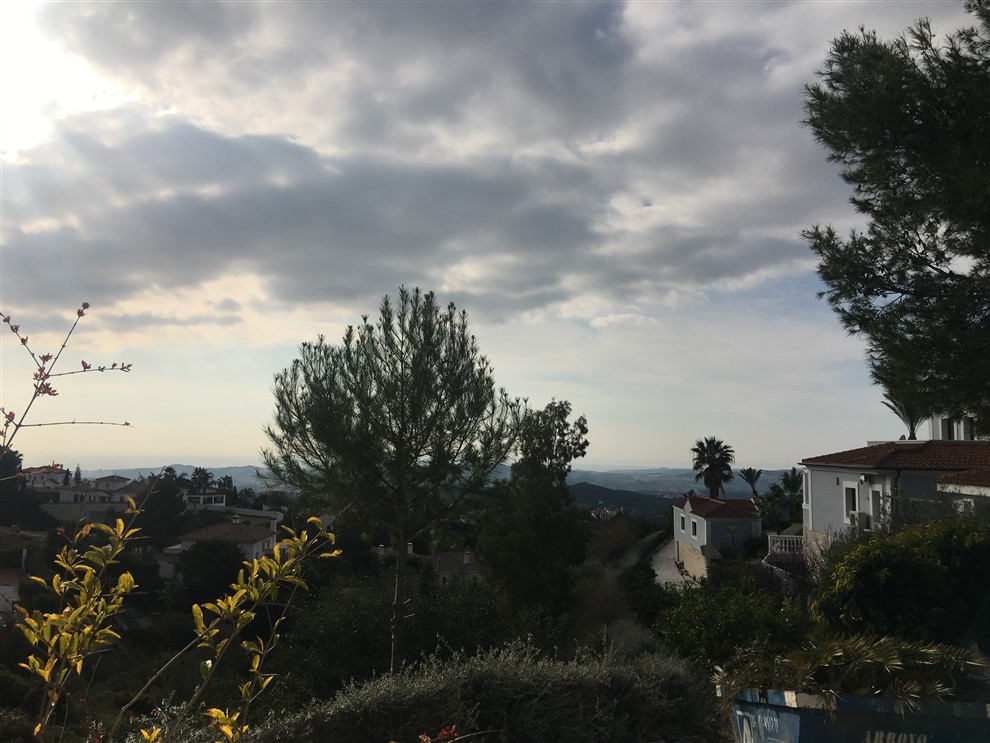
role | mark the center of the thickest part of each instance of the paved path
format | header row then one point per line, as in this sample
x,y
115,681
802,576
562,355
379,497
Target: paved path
x,y
663,565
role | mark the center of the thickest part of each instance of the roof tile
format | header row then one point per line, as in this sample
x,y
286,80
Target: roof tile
x,y
711,508
911,455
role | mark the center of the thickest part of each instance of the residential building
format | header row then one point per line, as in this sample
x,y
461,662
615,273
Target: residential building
x,y
48,478
101,500
942,428
453,567
854,488
707,529
201,500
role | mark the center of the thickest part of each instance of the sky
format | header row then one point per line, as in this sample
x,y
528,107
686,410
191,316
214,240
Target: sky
x,y
614,192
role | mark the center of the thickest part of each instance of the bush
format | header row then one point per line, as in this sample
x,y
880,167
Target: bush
x,y
518,696
343,635
927,582
709,623
863,665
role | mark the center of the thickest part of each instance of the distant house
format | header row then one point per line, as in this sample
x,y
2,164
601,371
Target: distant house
x,y
453,567
96,500
44,478
12,574
853,488
269,518
709,528
201,500
253,541
965,486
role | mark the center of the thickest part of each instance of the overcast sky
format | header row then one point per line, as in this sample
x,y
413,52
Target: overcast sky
x,y
613,191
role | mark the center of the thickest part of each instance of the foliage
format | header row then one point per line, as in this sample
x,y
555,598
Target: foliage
x,y
925,582
751,476
399,423
712,462
64,641
709,623
201,479
517,696
644,596
907,121
17,506
861,665
785,495
533,536
903,395
341,635
207,568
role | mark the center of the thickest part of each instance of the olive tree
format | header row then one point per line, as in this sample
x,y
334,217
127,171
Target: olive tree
x,y
398,423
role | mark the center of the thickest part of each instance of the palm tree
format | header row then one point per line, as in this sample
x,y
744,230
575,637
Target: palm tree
x,y
792,483
751,477
713,464
911,414
202,478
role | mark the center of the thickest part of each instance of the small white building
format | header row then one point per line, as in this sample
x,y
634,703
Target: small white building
x,y
705,528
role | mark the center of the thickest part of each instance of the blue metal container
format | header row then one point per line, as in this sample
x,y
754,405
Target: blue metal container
x,y
788,717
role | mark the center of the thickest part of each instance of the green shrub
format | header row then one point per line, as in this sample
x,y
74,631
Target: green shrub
x,y
711,622
927,582
520,697
863,665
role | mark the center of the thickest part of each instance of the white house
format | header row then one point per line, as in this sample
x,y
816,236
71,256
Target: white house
x,y
966,488
44,478
943,428
704,527
96,501
853,488
202,500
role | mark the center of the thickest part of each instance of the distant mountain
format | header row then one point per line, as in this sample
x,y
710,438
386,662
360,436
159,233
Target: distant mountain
x,y
649,481
243,477
665,481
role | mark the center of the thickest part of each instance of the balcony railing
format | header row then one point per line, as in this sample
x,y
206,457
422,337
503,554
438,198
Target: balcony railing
x,y
780,544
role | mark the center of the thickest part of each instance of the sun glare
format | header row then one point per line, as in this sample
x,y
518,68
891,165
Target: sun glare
x,y
40,82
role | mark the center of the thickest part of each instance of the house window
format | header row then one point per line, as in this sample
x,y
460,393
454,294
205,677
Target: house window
x,y
852,500
694,528
682,523
807,488
948,430
965,505
968,429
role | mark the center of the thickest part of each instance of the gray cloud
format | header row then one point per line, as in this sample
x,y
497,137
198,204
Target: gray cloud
x,y
340,149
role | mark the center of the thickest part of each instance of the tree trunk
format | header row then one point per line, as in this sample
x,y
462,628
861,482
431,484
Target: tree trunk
x,y
398,601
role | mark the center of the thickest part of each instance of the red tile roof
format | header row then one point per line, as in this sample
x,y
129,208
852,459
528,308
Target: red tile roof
x,y
710,508
228,532
911,455
979,477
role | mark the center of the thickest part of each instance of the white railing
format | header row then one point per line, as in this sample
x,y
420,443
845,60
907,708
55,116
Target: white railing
x,y
785,544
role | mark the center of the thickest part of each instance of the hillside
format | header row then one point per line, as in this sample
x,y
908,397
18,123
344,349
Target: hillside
x,y
664,481
243,477
587,495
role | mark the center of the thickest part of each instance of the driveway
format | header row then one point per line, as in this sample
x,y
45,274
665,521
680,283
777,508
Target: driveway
x,y
663,565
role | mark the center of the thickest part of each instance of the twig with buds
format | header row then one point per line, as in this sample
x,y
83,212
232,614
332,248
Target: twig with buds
x,y
10,422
